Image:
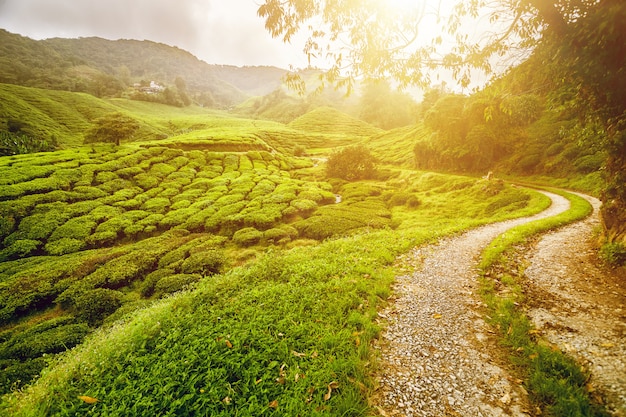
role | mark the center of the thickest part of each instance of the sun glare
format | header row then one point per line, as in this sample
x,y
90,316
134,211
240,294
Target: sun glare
x,y
402,5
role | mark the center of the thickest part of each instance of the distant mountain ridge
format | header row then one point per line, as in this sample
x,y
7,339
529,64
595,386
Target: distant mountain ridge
x,y
107,68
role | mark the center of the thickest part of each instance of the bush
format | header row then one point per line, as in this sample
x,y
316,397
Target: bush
x,y
413,202
173,283
351,164
100,239
19,249
78,228
95,305
614,254
247,236
64,246
33,343
398,198
149,282
206,263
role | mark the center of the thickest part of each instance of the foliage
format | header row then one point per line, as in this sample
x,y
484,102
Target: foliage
x,y
113,128
614,254
351,163
93,306
19,143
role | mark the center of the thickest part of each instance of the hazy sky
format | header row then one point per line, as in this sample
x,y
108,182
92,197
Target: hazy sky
x,y
216,31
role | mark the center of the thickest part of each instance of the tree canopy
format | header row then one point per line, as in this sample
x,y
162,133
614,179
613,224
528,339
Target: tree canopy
x,y
113,127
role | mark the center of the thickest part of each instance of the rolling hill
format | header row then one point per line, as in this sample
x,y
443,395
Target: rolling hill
x,y
104,67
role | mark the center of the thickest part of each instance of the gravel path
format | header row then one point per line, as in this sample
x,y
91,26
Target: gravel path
x,y
580,306
434,359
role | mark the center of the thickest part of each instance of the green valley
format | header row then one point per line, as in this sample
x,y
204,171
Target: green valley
x,y
228,250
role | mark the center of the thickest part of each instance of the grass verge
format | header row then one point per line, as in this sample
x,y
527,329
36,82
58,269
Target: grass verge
x,y
556,383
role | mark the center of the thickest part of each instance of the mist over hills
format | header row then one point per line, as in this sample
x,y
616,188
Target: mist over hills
x,y
108,68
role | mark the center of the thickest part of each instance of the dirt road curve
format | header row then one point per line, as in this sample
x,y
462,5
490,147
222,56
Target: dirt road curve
x,y
580,306
435,358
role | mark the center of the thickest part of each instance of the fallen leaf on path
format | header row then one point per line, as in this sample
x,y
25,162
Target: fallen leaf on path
x,y
333,385
437,316
228,344
273,404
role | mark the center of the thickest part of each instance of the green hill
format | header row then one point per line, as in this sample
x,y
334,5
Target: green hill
x,y
395,147
328,120
107,68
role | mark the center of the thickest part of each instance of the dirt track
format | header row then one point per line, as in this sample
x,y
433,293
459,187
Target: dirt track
x,y
435,359
580,306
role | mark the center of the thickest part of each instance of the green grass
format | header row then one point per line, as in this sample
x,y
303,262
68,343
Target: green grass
x,y
276,332
555,381
328,120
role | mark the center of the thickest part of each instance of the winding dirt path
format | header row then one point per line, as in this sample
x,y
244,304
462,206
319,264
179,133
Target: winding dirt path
x,y
435,357
580,306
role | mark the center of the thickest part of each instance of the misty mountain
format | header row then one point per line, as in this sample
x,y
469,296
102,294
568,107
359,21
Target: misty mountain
x,y
113,68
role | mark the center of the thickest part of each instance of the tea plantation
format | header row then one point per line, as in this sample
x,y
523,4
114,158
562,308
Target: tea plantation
x,y
211,271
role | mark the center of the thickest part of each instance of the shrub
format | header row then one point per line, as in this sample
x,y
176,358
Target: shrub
x,y
247,236
114,225
33,343
303,205
19,249
206,263
161,170
146,181
77,228
277,235
173,283
38,226
351,164
614,254
158,205
100,239
89,193
95,305
64,246
115,186
413,202
105,176
147,286
7,224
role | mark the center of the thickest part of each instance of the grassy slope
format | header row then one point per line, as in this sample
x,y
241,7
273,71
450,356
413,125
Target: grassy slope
x,y
395,147
274,334
51,113
67,115
332,121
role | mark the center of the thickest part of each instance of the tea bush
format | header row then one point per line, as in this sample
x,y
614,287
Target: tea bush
x,y
64,246
247,236
93,306
173,283
207,262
